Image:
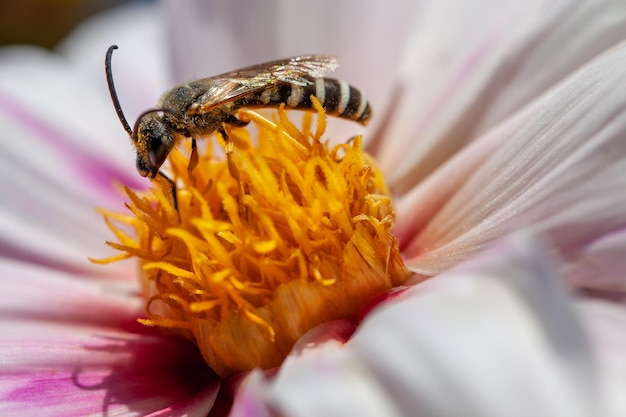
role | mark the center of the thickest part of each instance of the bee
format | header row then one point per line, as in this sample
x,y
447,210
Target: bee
x,y
197,109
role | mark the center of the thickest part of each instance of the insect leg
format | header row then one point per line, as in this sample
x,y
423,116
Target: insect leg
x,y
228,148
232,167
193,160
235,121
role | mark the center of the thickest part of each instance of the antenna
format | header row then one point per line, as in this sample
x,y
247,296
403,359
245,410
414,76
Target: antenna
x,y
116,101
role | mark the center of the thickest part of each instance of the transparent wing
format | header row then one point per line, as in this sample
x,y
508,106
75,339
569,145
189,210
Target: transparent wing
x,y
233,85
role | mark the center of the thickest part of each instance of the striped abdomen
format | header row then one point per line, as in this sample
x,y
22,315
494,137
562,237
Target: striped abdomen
x,y
336,96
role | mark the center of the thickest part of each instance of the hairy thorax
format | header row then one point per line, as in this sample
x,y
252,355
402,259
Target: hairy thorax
x,y
198,124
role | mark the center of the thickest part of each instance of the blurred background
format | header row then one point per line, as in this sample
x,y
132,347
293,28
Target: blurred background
x,y
46,22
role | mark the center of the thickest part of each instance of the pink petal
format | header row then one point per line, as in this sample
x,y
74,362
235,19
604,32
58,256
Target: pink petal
x,y
558,167
63,165
249,401
601,264
69,347
64,125
109,371
470,65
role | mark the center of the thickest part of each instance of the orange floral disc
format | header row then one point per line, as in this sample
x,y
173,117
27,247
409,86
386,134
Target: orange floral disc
x,y
269,238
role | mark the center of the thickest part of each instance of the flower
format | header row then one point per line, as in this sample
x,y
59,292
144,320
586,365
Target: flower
x,y
467,134
262,242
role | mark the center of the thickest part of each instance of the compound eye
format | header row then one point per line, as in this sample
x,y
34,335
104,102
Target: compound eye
x,y
157,151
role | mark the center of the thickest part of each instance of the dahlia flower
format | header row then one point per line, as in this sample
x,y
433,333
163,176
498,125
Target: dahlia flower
x,y
499,129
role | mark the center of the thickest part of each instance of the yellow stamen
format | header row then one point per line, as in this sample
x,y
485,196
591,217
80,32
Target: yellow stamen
x,y
280,235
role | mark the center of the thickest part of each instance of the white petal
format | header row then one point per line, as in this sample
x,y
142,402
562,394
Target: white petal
x,y
494,337
558,167
28,290
212,37
338,384
469,65
368,37
605,322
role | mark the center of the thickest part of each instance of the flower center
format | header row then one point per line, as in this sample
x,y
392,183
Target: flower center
x,y
282,234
